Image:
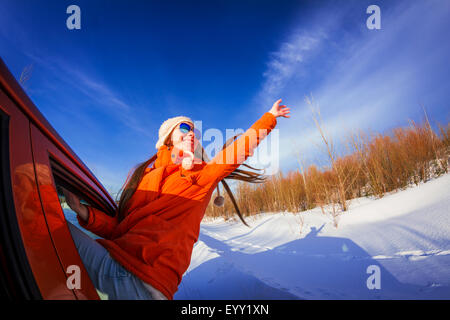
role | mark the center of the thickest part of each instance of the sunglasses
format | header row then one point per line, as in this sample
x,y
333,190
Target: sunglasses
x,y
185,128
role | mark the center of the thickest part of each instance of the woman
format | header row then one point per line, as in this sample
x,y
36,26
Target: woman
x,y
146,248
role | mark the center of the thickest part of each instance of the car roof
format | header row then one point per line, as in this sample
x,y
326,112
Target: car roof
x,y
15,92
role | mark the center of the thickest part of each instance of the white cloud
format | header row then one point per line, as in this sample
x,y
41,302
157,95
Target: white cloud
x,y
286,61
376,79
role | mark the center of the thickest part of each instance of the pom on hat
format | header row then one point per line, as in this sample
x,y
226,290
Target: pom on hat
x,y
219,201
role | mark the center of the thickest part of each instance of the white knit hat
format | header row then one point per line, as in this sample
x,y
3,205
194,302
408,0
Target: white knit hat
x,y
167,127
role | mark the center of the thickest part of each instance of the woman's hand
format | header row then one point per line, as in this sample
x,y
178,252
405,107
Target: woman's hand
x,y
74,203
280,111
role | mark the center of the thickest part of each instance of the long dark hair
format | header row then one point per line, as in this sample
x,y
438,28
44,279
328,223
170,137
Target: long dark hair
x,y
132,182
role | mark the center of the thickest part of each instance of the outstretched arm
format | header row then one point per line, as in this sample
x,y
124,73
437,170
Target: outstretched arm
x,y
227,160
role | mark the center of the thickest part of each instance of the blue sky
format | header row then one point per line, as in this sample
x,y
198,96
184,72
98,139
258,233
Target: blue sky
x,y
108,87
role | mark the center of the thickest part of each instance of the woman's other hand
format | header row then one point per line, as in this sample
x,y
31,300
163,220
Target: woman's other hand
x,y
74,203
280,111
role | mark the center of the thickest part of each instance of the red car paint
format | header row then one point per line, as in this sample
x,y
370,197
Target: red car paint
x,y
33,148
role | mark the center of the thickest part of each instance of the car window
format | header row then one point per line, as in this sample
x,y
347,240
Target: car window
x,y
63,185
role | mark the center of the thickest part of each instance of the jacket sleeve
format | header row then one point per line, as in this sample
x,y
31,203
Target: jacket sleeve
x,y
230,158
99,223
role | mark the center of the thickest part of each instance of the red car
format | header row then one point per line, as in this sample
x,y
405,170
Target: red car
x,y
37,253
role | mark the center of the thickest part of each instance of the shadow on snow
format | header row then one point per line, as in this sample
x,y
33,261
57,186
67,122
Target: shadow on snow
x,y
313,267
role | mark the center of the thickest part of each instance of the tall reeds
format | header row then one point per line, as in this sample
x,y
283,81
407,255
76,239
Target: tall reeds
x,y
376,164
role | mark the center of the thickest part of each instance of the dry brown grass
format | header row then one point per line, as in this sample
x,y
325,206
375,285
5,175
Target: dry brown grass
x,y
377,164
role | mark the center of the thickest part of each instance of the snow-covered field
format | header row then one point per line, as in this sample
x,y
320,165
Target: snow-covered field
x,y
406,234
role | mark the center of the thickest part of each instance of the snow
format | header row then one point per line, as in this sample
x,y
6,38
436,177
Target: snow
x,y
406,234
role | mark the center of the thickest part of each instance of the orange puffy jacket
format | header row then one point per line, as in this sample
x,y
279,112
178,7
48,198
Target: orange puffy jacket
x,y
155,239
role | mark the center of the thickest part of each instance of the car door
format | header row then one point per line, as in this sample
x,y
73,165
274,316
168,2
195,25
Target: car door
x,y
55,170
36,247
30,264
